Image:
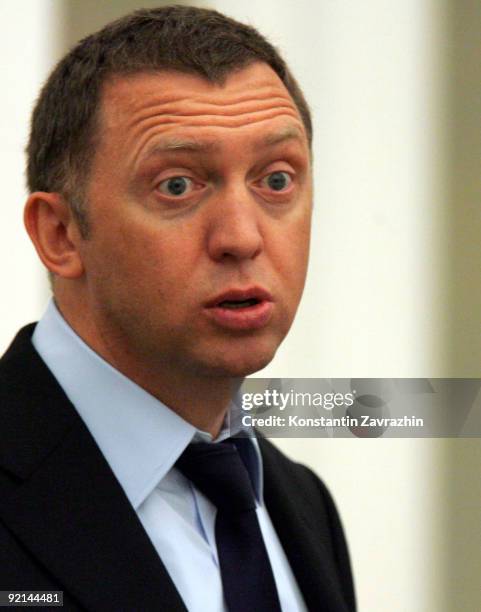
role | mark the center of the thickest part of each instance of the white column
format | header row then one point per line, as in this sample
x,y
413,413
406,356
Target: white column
x,y
28,50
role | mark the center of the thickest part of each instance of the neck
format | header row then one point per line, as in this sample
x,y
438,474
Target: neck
x,y
202,401
203,404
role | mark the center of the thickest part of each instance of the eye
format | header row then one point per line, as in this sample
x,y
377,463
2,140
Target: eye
x,y
176,186
277,181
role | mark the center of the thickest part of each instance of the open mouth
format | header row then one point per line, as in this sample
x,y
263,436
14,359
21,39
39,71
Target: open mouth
x,y
233,304
241,309
237,298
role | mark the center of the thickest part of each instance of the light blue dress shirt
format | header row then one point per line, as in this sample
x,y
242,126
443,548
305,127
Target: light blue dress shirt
x,y
141,440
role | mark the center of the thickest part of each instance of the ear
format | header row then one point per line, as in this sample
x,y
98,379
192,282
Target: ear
x,y
54,233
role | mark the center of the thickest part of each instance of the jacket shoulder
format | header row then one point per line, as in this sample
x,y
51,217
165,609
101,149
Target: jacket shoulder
x,y
34,411
301,493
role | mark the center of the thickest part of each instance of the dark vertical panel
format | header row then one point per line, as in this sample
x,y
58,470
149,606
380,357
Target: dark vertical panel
x,y
463,469
461,539
464,63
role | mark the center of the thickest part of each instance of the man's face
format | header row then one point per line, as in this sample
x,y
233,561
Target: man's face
x,y
199,202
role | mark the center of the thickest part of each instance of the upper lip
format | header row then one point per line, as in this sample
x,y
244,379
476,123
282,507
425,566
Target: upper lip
x,y
240,295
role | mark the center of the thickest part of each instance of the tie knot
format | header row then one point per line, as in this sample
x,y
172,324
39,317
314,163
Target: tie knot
x,y
218,471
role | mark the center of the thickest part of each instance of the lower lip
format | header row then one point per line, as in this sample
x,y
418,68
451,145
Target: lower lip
x,y
251,317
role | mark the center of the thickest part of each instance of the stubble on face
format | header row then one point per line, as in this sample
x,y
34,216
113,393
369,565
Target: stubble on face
x,y
153,262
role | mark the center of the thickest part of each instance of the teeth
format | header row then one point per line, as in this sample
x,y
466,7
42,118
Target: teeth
x,y
232,304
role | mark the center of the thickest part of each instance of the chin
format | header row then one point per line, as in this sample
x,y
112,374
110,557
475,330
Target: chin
x,y
238,364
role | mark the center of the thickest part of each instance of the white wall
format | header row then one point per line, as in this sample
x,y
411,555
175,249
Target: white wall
x,y
27,48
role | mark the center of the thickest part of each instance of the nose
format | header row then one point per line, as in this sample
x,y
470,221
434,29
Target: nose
x,y
234,231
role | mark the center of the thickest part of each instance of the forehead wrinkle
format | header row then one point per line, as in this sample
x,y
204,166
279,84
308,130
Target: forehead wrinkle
x,y
203,120
174,143
262,94
244,97
205,100
145,135
163,114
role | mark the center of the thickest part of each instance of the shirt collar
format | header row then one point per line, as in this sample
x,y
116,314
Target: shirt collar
x,y
139,436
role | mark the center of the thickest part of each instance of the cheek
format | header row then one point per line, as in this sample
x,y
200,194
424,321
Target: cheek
x,y
159,263
294,252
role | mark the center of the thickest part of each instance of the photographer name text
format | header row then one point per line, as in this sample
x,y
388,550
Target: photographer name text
x,y
249,420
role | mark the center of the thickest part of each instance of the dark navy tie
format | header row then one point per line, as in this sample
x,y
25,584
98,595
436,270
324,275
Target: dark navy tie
x,y
218,471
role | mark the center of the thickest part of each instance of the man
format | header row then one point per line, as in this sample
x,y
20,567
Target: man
x,y
170,199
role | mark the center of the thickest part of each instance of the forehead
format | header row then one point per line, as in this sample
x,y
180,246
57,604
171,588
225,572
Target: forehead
x,y
138,110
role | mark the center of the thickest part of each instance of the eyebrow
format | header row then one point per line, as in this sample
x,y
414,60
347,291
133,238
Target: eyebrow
x,y
290,132
183,144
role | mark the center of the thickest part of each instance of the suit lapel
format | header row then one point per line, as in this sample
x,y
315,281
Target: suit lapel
x,y
306,548
67,507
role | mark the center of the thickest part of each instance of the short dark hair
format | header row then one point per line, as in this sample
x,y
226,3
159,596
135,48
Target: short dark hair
x,y
182,38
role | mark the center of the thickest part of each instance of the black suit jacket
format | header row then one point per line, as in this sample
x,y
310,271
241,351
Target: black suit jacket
x,y
66,524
